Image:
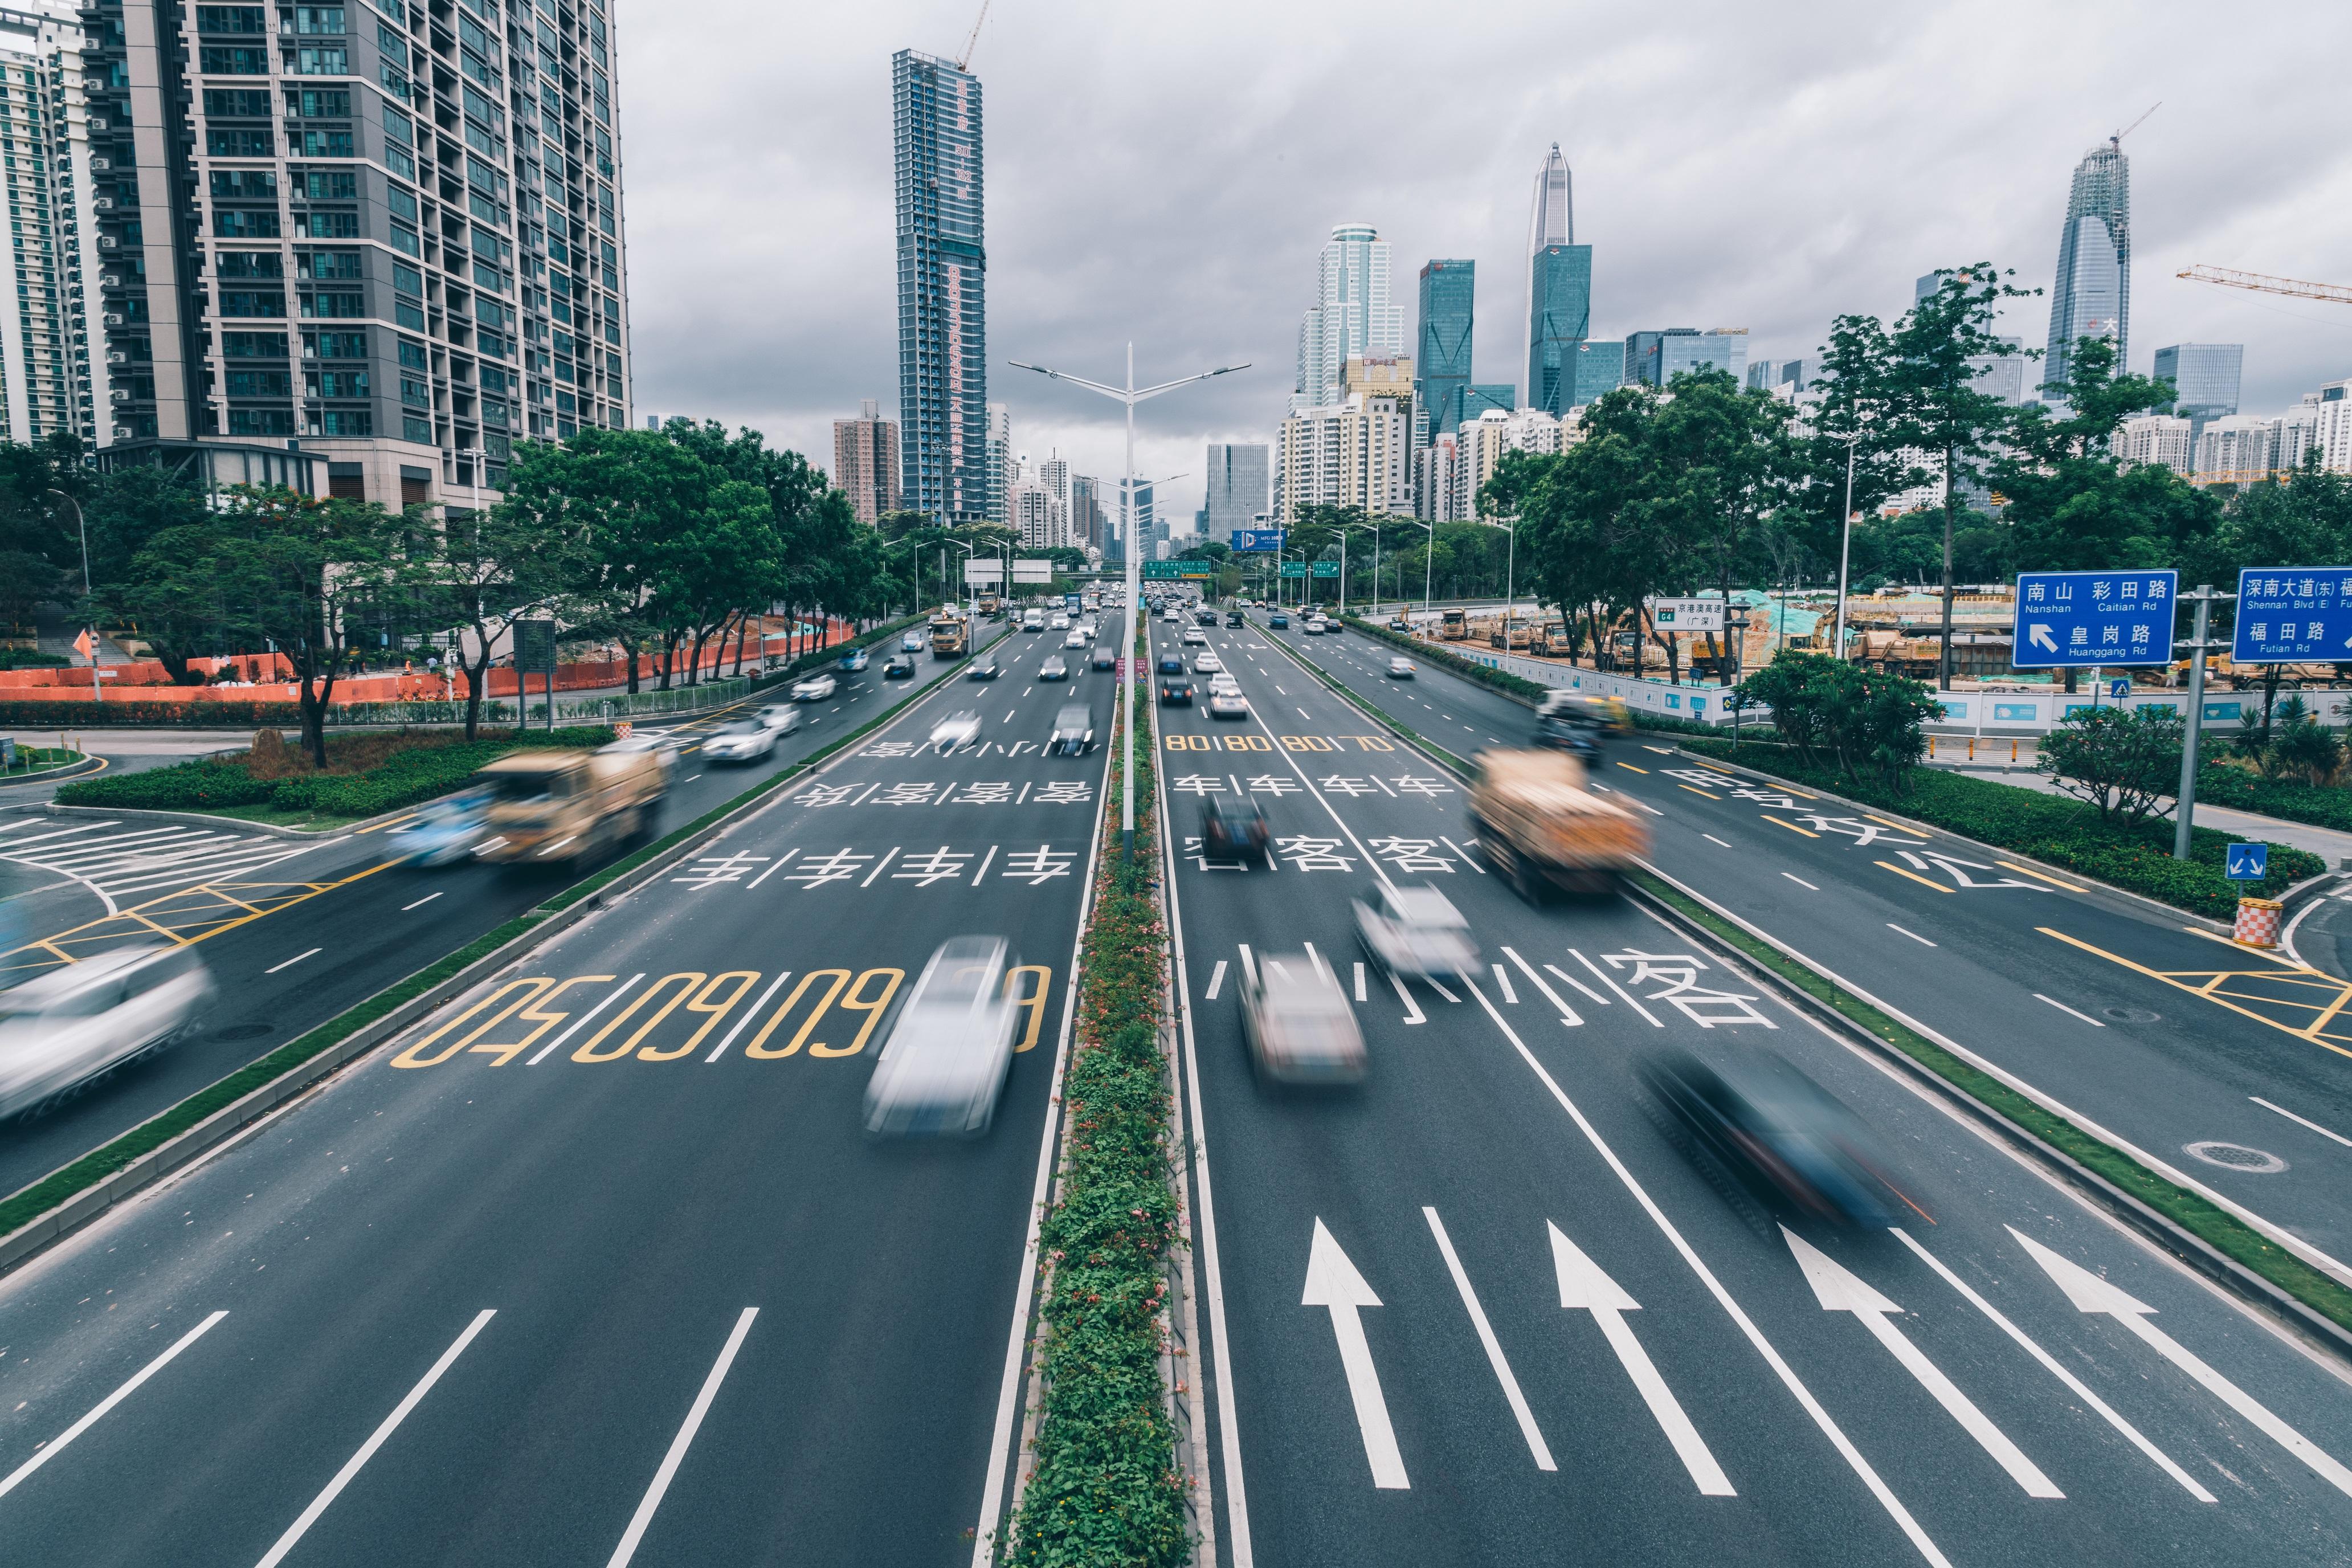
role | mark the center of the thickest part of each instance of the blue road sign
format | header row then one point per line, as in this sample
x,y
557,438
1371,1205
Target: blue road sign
x,y
2119,688
2293,614
2249,862
2079,619
1256,540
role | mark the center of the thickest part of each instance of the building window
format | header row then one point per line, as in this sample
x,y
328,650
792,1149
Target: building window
x,y
330,226
404,239
239,101
334,305
240,225
414,429
416,394
247,303
331,185
333,264
260,384
326,144
343,345
320,20
240,143
408,315
346,422
412,355
246,185
222,60
253,345
322,62
250,264
343,384
230,19
407,279
261,422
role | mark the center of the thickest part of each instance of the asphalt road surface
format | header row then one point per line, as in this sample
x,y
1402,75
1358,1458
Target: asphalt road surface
x,y
293,930
1487,1310
600,1267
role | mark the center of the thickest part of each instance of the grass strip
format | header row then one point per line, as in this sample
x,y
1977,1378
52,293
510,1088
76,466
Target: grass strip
x,y
2211,1224
1103,1488
108,1158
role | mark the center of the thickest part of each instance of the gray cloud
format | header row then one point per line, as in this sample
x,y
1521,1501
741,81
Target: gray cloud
x,y
1169,173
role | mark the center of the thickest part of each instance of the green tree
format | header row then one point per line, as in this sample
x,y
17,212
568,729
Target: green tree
x,y
2122,760
518,560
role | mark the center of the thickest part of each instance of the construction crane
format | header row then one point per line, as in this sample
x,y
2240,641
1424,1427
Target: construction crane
x,y
2116,140
2263,283
963,61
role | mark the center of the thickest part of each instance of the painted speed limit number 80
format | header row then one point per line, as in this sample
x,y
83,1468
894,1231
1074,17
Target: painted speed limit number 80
x,y
1175,742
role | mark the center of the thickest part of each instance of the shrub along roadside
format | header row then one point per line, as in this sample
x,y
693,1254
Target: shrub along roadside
x,y
1104,1487
2214,1226
2055,831
2291,799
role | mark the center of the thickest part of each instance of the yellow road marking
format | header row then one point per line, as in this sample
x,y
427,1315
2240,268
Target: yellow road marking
x,y
1630,767
1913,875
158,916
1696,791
1715,767
2211,989
1790,826
1883,822
2233,943
2039,876
388,827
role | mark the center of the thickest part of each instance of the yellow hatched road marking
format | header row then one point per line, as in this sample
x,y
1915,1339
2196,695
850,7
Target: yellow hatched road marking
x,y
1913,875
1696,791
1631,768
2038,876
1790,826
2213,985
1885,822
216,908
1715,767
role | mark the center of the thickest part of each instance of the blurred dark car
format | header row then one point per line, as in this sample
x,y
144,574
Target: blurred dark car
x,y
1171,664
900,668
1779,1132
1106,656
1279,621
1176,691
1232,618
983,668
1575,734
1235,830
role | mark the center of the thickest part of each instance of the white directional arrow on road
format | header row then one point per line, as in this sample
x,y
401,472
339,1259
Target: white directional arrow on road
x,y
1332,1281
1841,1291
2092,1294
1584,1287
2038,636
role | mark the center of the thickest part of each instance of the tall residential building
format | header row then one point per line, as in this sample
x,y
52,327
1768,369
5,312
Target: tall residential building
x,y
943,291
2245,447
1088,522
1657,357
2091,296
1041,522
1480,445
2160,439
1054,473
865,461
997,464
2204,379
1433,470
1358,453
2331,428
1237,487
49,379
392,235
1352,314
1442,364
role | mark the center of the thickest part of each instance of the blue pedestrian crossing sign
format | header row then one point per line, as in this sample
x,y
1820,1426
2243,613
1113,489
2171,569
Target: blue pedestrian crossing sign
x,y
2249,862
2080,619
2293,614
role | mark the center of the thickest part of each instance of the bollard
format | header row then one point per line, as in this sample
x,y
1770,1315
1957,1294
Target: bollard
x,y
1931,748
2013,751
1972,748
2258,922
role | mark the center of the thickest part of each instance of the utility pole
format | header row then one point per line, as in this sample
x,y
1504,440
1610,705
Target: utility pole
x,y
2184,811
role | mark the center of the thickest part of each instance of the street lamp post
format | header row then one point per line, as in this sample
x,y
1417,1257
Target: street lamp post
x,y
1129,395
1845,543
97,686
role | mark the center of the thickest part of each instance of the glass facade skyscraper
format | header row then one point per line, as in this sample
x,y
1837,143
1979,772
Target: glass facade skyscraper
x,y
1442,367
1353,315
2091,296
1560,291
2204,379
942,291
1237,491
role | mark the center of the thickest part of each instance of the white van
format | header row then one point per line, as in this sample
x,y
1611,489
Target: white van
x,y
1033,621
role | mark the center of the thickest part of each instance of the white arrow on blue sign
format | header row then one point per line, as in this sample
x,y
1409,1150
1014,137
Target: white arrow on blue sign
x,y
2082,619
2249,862
2293,614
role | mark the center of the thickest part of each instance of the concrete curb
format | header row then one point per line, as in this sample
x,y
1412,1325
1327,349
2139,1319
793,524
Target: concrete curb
x,y
271,830
67,773
87,1205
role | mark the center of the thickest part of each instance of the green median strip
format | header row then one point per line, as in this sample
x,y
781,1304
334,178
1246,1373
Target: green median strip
x,y
1104,1485
2216,1226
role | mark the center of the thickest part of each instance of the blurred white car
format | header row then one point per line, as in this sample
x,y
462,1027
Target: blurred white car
x,y
64,1027
815,688
1399,669
1078,638
1194,636
1058,624
946,1055
740,741
958,729
662,745
443,832
1298,1024
1208,664
1416,933
780,717
1227,704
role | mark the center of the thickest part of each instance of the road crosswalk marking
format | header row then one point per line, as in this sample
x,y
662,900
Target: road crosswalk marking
x,y
114,860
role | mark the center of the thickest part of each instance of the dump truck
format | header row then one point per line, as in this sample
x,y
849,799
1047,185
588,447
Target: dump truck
x,y
1557,643
565,807
1521,634
990,605
1540,825
950,635
1453,626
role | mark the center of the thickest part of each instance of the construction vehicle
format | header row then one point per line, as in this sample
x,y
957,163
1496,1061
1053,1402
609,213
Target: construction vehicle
x,y
565,807
1453,625
950,633
990,605
1895,654
1540,825
1556,642
1520,634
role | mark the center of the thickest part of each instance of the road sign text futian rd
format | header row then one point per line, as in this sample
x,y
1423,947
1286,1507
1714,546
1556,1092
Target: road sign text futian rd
x,y
2293,614
2080,619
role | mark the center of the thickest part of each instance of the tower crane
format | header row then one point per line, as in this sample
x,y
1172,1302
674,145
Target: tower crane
x,y
2117,140
2263,283
963,61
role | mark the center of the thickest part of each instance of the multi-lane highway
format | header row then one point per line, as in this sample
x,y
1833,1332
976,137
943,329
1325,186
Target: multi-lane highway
x,y
1485,1310
598,1266
293,930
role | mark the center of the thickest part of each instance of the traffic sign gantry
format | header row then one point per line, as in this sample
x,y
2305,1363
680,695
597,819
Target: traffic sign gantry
x,y
2290,614
2082,619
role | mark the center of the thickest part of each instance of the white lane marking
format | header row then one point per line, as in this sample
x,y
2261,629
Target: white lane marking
x,y
1216,982
1284,693
1840,1290
1644,804
1438,986
2069,1011
1333,1283
1568,1015
1503,980
1249,963
773,867
1584,1287
1411,1008
986,862
294,1532
692,779
293,961
2051,1365
51,1450
1914,935
1467,860
583,1021
2092,1294
1801,881
1711,838
878,870
1359,983
1303,713
677,1446
419,903
2291,1116
1518,1401
1559,973
744,1021
1008,714
1610,981
1788,1378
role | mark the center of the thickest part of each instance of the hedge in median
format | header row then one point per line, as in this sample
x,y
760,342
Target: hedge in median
x,y
1103,1488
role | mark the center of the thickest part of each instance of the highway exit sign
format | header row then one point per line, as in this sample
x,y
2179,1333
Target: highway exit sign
x,y
2082,619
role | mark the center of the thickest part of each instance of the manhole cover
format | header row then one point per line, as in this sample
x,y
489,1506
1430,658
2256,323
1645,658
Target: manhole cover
x,y
2237,1157
244,1031
2131,1014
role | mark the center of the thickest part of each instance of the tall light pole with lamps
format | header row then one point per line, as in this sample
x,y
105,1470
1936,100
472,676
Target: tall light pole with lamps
x,y
1130,395
97,686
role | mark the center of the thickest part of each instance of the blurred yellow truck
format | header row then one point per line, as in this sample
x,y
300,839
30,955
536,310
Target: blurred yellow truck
x,y
563,807
1541,827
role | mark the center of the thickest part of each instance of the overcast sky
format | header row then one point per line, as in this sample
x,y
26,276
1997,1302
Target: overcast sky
x,y
1168,174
